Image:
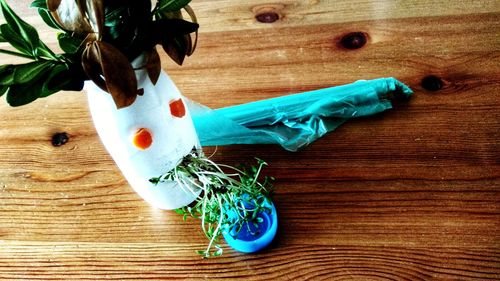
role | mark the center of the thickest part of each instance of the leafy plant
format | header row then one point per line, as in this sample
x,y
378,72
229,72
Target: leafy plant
x,y
26,82
230,198
99,39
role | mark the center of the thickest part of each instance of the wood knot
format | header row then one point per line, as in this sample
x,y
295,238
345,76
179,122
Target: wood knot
x,y
268,13
268,17
59,139
353,40
432,83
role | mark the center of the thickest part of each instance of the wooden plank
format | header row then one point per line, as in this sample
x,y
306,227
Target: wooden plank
x,y
225,15
410,194
158,261
456,214
226,65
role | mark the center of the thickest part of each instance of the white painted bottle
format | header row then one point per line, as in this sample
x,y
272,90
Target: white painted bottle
x,y
160,113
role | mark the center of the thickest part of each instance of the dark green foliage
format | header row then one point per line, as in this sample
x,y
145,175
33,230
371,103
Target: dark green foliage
x,y
129,26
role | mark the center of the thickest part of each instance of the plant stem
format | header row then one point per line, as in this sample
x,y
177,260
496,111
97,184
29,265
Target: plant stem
x,y
257,173
219,224
203,217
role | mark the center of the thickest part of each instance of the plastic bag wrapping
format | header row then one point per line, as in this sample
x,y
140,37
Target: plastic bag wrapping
x,y
294,121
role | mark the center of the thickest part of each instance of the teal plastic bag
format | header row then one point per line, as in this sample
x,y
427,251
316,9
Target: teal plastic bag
x,y
294,121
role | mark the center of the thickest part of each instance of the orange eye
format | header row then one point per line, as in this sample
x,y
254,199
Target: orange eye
x,y
177,108
142,139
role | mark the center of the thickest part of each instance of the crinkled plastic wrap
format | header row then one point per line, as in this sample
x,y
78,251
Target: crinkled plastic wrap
x,y
295,121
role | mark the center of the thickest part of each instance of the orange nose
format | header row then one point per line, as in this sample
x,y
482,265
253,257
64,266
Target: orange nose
x,y
177,108
142,139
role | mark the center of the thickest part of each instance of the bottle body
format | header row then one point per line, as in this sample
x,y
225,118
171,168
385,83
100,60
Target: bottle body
x,y
147,138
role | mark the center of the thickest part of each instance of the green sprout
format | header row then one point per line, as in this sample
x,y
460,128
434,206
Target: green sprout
x,y
224,190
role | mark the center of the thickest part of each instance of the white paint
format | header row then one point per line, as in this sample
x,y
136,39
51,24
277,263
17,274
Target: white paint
x,y
173,137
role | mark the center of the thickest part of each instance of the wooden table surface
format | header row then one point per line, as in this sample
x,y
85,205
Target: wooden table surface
x,y
410,194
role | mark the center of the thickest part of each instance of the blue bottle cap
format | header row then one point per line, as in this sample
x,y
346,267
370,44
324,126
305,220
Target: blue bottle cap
x,y
252,238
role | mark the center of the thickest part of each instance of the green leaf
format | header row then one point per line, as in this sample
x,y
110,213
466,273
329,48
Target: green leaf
x,y
21,94
114,16
31,71
27,32
218,252
58,79
13,39
48,19
69,44
43,51
23,36
180,211
41,4
3,89
7,74
2,39
154,181
202,253
171,5
65,77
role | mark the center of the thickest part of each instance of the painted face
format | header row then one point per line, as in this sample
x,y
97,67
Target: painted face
x,y
147,138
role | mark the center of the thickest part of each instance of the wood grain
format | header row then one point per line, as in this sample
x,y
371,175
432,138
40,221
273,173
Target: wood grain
x,y
410,194
158,261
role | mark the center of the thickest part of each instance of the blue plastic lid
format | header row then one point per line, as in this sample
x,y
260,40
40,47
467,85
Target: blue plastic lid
x,y
253,238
